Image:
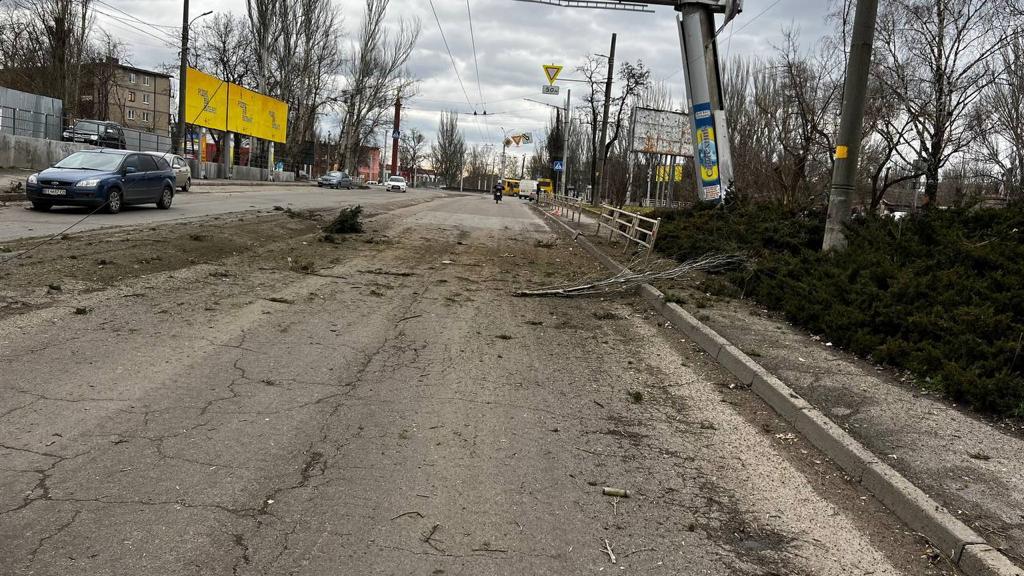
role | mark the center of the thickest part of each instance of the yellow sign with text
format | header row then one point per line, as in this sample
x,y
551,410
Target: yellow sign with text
x,y
218,105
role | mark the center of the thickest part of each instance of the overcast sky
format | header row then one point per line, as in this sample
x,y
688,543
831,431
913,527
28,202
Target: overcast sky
x,y
513,40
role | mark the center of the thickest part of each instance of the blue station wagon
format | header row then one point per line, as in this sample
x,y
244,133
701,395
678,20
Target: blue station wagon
x,y
110,179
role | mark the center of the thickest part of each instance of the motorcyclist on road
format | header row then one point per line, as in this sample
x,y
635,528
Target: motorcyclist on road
x,y
498,189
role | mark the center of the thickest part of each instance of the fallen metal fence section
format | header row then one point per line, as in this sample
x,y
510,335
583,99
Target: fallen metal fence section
x,y
634,228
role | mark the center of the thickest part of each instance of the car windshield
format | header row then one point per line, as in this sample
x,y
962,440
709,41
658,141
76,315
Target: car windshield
x,y
397,179
91,161
334,174
88,127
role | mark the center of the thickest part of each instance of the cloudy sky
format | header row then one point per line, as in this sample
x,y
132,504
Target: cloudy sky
x,y
513,40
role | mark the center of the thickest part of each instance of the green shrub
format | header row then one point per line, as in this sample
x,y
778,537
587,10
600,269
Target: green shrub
x,y
940,294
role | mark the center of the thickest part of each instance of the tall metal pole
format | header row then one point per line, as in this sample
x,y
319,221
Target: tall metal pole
x,y
395,135
712,161
844,173
599,193
565,141
179,137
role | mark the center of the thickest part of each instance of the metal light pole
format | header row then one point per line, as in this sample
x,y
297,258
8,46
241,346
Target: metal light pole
x,y
844,173
179,139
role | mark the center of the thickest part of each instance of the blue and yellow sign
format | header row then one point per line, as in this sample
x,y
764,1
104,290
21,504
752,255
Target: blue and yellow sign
x,y
706,149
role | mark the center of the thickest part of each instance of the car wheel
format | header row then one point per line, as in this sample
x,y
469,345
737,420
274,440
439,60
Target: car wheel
x,y
166,198
188,184
41,206
114,201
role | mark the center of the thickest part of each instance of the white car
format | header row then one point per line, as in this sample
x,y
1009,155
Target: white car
x,y
182,171
396,183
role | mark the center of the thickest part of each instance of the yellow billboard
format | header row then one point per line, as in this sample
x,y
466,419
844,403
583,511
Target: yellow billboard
x,y
219,105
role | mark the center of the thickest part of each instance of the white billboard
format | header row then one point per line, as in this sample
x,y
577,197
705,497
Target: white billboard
x,y
662,132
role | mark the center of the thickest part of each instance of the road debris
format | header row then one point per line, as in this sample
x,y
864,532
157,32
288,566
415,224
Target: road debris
x,y
608,550
410,513
659,270
617,492
280,300
428,538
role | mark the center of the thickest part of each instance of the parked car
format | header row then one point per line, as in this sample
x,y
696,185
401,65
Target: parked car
x,y
397,183
98,133
182,171
104,178
335,180
372,183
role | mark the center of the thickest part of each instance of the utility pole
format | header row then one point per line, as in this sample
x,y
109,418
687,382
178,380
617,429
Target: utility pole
x,y
395,134
178,143
599,193
565,140
847,154
179,134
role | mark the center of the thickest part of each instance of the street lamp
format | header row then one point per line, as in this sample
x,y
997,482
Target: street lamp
x,y
179,140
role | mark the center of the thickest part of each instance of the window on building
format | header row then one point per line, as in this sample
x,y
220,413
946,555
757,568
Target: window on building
x,y
145,116
131,77
145,98
131,114
145,80
131,96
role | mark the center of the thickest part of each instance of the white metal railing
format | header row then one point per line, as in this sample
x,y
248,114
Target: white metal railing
x,y
566,207
634,228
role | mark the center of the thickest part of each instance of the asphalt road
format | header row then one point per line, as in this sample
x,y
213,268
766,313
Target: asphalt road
x,y
16,221
383,405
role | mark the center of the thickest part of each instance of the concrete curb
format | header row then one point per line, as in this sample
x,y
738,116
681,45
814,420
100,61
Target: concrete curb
x,y
967,549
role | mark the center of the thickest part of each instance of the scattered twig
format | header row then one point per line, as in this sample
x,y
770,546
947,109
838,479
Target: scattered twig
x,y
490,550
408,318
408,514
427,538
608,550
630,553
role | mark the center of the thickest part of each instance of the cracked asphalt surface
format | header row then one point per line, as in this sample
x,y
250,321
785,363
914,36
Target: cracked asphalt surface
x,y
259,401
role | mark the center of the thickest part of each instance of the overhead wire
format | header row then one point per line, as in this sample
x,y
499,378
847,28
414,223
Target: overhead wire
x,y
451,57
476,65
177,29
172,42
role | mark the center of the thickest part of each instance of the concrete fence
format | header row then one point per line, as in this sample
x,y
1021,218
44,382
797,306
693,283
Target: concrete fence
x,y
34,153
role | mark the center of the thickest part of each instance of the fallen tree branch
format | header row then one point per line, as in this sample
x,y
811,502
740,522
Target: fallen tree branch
x,y
627,278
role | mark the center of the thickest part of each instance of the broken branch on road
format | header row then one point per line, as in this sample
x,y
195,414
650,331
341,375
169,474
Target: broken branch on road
x,y
627,279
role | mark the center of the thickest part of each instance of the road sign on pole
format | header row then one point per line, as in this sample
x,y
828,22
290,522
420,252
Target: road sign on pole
x,y
558,166
552,71
551,89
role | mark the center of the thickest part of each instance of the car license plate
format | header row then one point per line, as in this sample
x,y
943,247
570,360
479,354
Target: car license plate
x,y
54,192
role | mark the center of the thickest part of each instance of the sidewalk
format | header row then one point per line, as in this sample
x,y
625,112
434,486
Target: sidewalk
x,y
973,467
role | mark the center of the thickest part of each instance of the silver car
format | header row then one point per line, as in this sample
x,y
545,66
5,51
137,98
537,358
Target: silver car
x,y
182,171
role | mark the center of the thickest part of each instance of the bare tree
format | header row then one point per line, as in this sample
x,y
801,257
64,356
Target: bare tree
x,y
42,43
376,74
934,56
999,118
412,150
449,152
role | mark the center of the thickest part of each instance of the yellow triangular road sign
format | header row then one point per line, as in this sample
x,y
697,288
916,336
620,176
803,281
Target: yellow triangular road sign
x,y
518,139
552,71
